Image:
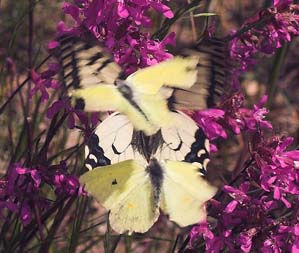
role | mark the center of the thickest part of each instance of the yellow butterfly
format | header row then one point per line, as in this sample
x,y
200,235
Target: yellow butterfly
x,y
134,175
185,82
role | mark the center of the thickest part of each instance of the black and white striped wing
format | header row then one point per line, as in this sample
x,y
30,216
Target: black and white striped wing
x,y
213,78
85,64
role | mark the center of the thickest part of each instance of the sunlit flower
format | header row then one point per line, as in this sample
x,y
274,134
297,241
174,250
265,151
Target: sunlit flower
x,y
208,121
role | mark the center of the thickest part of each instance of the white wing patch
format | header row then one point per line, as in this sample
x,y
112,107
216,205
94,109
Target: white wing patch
x,y
177,139
112,142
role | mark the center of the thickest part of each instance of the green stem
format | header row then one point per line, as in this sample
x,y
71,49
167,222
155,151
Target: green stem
x,y
275,72
161,33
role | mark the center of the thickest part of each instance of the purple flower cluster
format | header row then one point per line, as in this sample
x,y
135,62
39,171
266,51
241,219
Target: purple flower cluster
x,y
45,80
21,191
259,213
118,24
72,113
265,32
232,115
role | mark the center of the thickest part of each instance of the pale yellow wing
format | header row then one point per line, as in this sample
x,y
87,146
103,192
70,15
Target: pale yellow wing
x,y
184,193
156,109
109,98
125,189
177,72
91,74
101,98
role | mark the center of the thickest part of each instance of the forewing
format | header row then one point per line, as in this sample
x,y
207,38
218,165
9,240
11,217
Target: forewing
x,y
125,189
176,72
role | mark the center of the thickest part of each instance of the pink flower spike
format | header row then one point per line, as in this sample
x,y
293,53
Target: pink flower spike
x,y
231,206
53,44
170,39
122,10
281,3
165,10
21,171
296,229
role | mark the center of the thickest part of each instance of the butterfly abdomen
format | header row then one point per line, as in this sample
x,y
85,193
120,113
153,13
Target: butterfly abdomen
x,y
155,172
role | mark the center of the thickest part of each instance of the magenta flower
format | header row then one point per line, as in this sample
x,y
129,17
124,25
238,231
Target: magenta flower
x,y
259,212
214,243
70,111
87,123
232,115
282,3
279,173
208,121
233,119
254,119
21,191
118,25
44,81
280,23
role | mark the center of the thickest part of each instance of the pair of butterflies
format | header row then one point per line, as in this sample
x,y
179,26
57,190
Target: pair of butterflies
x,y
148,155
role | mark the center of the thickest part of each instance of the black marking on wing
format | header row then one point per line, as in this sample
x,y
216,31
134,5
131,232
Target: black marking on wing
x,y
198,145
202,171
104,64
146,145
127,92
115,150
93,145
179,146
220,68
114,182
68,54
94,58
79,104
